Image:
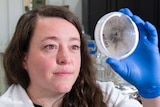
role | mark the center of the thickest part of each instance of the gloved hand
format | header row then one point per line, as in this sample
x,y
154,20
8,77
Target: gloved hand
x,y
142,67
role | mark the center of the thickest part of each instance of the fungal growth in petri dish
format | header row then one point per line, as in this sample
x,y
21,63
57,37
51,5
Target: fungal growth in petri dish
x,y
118,35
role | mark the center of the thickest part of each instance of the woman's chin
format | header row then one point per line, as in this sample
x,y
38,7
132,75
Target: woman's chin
x,y
64,89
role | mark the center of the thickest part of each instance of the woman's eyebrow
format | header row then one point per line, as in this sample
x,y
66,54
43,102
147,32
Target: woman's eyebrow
x,y
50,38
74,39
57,39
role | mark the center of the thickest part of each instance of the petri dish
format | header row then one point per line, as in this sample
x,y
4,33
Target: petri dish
x,y
116,35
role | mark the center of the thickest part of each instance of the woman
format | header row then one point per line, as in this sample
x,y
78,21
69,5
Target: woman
x,y
47,64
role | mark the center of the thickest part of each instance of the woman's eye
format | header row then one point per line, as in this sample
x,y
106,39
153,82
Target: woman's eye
x,y
75,47
50,47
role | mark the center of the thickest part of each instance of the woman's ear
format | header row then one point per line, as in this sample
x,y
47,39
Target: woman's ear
x,y
24,62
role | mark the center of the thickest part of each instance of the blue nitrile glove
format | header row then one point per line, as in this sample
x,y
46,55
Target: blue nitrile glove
x,y
142,67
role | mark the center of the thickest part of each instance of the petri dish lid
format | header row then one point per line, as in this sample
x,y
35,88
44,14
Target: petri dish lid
x,y
116,35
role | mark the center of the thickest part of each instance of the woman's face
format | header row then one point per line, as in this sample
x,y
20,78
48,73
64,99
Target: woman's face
x,y
54,58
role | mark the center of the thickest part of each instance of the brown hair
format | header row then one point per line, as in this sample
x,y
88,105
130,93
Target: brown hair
x,y
85,92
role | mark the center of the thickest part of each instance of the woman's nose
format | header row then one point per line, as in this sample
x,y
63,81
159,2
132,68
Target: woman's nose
x,y
63,56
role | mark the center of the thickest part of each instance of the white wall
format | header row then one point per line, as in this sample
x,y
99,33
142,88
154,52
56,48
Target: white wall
x,y
3,85
10,11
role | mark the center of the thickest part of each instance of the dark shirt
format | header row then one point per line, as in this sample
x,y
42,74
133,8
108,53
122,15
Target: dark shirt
x,y
35,105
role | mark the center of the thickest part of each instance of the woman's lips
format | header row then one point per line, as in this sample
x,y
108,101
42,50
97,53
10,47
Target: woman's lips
x,y
64,73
